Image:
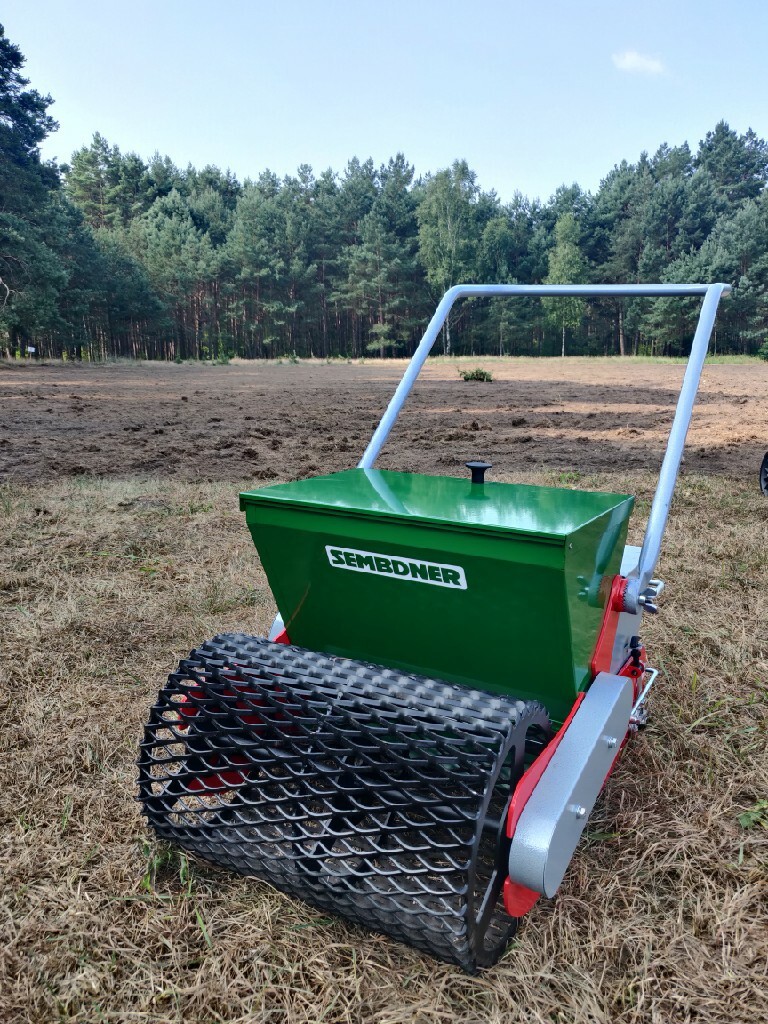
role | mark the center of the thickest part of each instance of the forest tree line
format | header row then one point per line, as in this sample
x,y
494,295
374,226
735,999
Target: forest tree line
x,y
113,255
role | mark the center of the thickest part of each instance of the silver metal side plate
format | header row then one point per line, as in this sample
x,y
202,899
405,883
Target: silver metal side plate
x,y
277,627
630,560
554,817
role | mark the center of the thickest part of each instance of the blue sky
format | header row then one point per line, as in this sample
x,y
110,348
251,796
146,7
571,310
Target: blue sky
x,y
531,94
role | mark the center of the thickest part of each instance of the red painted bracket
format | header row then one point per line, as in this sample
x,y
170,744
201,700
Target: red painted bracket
x,y
601,659
518,899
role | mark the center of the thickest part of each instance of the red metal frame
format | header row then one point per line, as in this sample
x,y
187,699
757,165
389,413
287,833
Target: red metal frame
x,y
518,899
221,781
634,669
603,654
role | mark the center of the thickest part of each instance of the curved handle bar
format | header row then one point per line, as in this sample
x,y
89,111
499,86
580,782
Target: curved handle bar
x,y
657,519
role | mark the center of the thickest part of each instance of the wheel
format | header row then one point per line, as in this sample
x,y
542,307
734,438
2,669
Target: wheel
x,y
764,475
372,794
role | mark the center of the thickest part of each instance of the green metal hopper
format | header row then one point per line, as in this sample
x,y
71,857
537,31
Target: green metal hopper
x,y
392,568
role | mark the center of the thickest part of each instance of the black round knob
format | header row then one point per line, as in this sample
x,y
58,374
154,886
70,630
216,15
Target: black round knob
x,y
478,470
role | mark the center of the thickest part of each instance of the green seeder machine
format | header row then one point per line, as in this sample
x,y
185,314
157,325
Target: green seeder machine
x,y
454,669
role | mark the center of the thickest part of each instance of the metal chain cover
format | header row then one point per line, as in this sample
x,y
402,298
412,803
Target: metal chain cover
x,y
368,793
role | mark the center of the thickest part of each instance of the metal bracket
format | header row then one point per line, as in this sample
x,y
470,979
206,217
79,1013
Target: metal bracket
x,y
277,627
550,825
639,716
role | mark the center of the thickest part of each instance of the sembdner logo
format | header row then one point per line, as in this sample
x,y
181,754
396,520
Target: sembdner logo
x,y
398,567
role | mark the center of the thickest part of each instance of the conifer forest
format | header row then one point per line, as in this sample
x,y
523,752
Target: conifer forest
x,y
115,255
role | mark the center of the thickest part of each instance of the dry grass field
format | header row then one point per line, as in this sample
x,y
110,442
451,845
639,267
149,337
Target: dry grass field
x,y
122,547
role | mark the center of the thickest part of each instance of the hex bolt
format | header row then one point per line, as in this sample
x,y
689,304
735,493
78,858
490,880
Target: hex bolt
x,y
610,742
578,810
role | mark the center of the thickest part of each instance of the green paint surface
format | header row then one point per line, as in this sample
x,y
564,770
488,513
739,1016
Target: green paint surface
x,y
480,585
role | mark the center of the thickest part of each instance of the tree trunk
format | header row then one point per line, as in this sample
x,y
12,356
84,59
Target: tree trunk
x,y
622,341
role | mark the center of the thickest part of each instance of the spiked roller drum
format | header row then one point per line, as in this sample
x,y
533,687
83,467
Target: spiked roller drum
x,y
365,792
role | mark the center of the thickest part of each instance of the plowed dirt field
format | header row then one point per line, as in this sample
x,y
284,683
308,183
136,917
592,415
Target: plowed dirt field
x,y
279,421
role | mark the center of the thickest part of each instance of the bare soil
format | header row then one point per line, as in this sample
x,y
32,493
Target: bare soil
x,y
283,421
122,547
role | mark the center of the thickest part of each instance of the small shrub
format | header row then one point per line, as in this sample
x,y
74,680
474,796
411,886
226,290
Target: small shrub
x,y
569,477
763,351
757,815
476,374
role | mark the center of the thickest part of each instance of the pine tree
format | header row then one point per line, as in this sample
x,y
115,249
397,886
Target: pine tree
x,y
566,266
449,231
31,274
738,164
92,182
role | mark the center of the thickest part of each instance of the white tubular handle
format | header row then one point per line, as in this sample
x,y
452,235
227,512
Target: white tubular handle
x,y
662,499
657,520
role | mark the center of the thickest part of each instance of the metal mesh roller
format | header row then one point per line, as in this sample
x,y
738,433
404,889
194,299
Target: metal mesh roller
x,y
368,793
